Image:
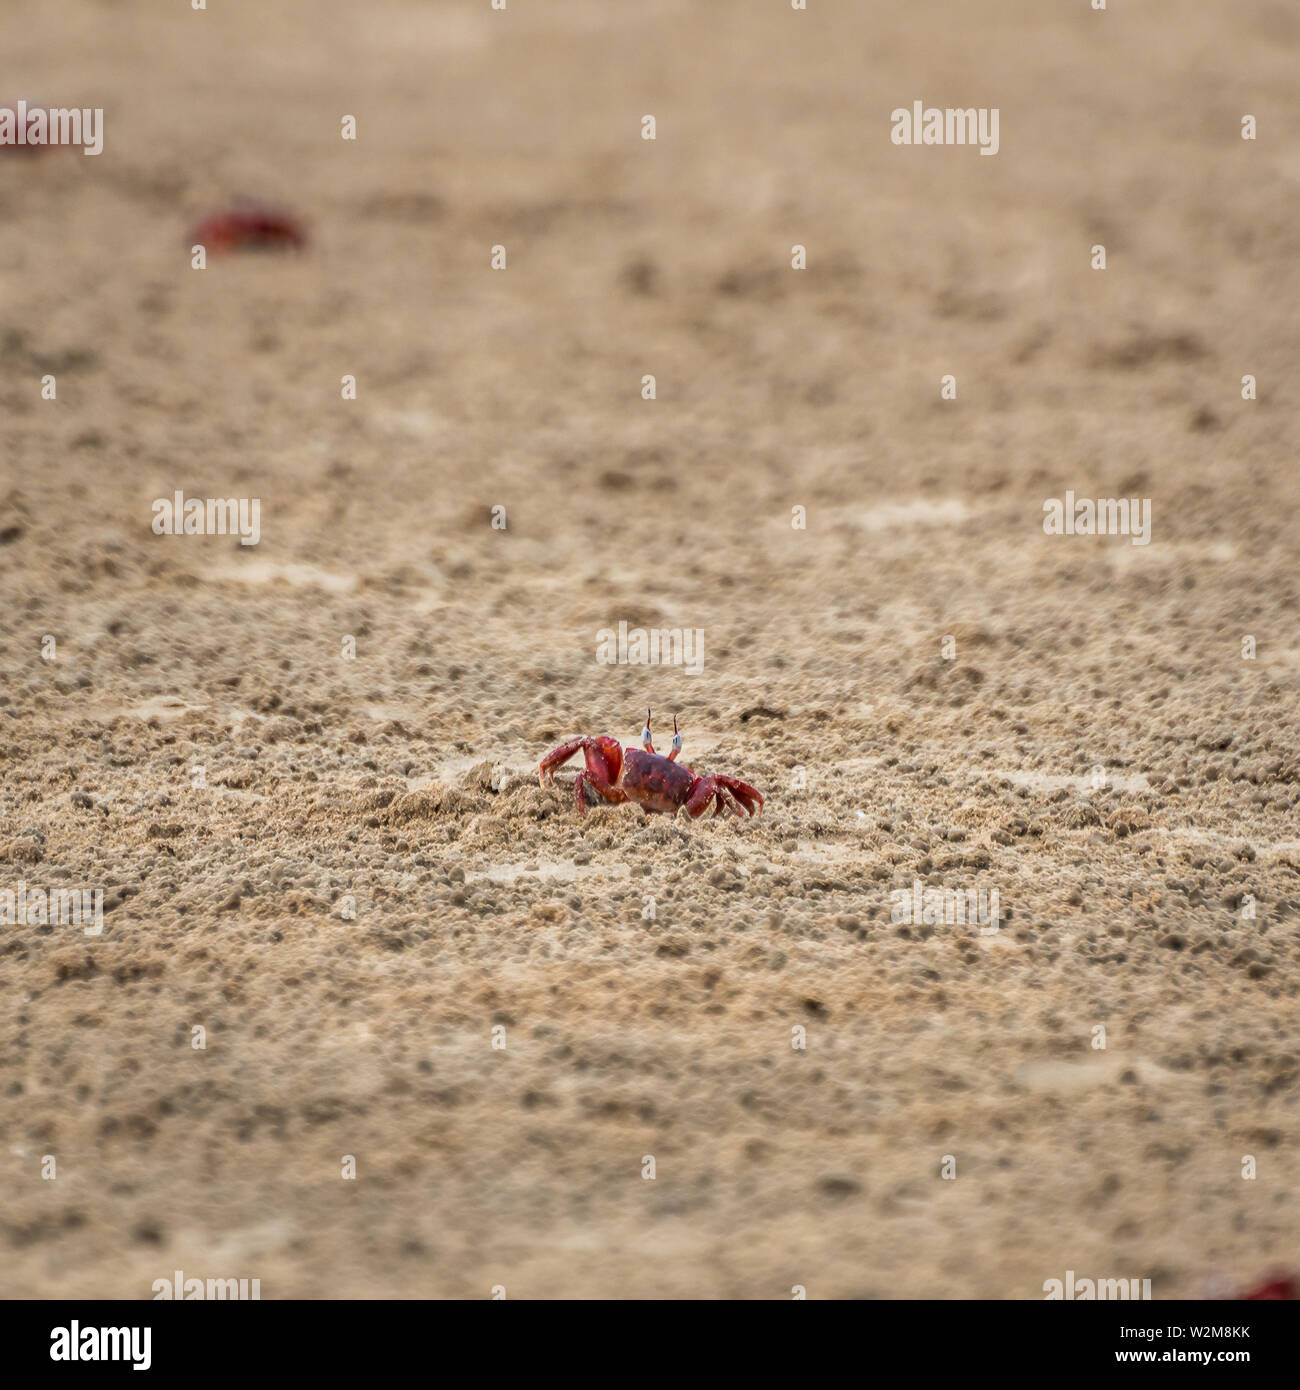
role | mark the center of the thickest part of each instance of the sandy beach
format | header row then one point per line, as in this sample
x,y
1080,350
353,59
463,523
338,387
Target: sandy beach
x,y
369,1013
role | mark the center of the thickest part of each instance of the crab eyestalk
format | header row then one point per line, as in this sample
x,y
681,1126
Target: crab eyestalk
x,y
677,742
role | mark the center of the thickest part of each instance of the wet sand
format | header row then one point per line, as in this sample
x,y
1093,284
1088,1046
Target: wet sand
x,y
344,870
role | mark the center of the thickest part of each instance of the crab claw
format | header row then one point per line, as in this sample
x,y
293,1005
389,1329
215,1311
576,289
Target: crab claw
x,y
546,768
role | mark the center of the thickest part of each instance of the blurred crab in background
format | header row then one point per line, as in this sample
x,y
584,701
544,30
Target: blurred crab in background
x,y
248,225
655,783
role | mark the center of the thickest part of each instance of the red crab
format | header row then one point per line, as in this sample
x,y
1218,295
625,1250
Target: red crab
x,y
249,226
1280,1287
655,783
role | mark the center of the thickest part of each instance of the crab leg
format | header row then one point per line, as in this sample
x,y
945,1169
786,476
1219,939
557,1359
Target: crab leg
x,y
724,793
749,797
588,778
704,794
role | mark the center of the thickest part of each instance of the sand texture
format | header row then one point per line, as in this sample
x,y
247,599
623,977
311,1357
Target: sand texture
x,y
201,746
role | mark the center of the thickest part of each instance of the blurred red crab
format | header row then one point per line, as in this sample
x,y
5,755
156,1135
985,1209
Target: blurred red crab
x,y
656,784
249,226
